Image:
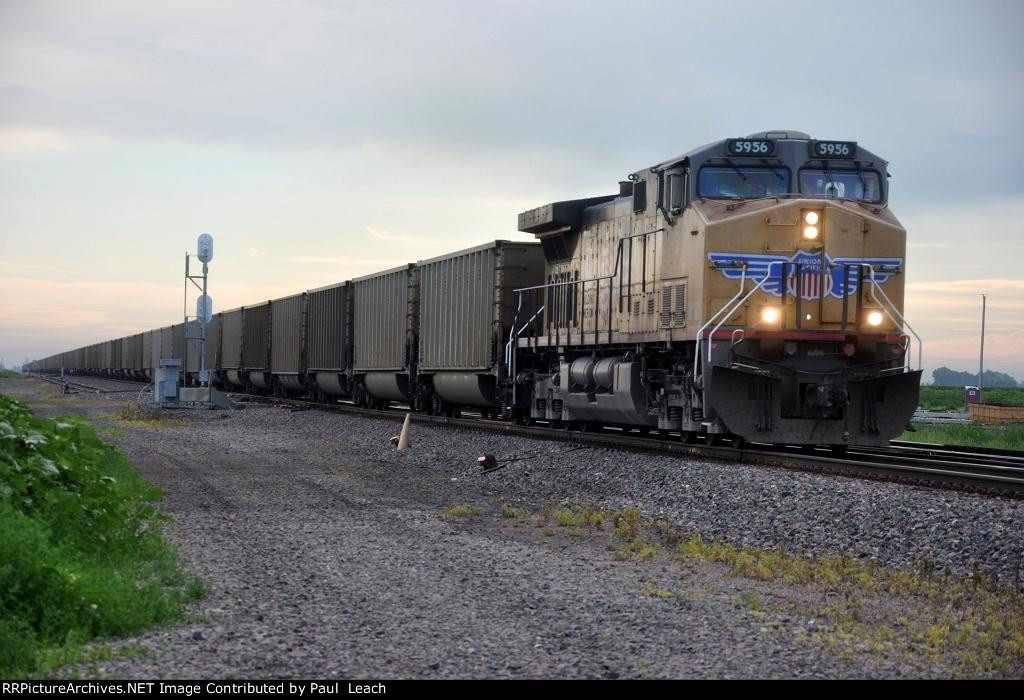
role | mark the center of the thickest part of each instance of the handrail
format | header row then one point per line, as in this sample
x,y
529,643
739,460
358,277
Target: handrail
x,y
700,333
696,352
563,284
512,335
582,284
902,322
743,336
888,307
741,302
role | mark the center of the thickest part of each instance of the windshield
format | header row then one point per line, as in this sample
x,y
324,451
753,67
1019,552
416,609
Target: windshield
x,y
725,182
861,185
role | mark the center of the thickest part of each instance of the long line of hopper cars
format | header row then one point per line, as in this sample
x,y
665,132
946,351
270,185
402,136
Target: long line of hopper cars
x,y
751,289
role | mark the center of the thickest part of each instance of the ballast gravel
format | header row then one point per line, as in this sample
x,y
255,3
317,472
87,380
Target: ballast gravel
x,y
327,554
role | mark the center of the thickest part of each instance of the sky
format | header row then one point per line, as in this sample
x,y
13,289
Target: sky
x,y
320,141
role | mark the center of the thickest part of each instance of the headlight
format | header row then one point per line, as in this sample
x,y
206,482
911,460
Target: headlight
x,y
769,314
811,218
875,318
810,232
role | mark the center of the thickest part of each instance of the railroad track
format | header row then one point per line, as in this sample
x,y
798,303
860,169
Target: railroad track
x,y
986,470
97,385
996,472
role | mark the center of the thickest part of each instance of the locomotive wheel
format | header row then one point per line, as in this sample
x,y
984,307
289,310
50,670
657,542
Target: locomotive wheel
x,y
838,449
737,442
690,436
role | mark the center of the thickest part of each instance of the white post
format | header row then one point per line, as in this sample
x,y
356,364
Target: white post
x,y
981,364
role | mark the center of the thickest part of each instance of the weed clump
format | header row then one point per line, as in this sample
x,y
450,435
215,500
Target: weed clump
x,y
580,516
508,511
626,523
81,551
133,414
462,510
651,590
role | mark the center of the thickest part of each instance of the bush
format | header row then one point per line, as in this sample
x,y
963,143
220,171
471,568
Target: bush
x,y
941,398
81,551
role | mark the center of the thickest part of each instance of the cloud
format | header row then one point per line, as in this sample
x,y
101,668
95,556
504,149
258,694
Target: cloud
x,y
327,260
384,235
42,268
42,316
256,253
998,286
18,140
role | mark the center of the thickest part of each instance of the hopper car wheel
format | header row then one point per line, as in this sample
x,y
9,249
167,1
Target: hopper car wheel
x,y
838,449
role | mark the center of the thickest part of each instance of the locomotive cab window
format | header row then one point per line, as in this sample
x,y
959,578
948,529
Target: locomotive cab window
x,y
675,192
860,185
639,196
725,182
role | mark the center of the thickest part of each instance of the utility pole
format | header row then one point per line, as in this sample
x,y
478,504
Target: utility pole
x,y
981,367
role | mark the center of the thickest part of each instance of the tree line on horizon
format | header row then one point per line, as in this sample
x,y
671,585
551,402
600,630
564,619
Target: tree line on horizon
x,y
944,376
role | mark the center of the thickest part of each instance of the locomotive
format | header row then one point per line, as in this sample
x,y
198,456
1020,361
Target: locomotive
x,y
749,290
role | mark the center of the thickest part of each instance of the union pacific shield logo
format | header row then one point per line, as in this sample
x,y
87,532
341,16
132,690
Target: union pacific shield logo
x,y
781,272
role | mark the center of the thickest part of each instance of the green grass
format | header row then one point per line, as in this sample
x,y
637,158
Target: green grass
x,y
750,600
580,516
651,590
508,511
976,625
10,374
81,551
136,416
462,510
944,398
1007,437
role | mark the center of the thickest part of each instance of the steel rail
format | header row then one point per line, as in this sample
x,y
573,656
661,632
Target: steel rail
x,y
985,470
996,477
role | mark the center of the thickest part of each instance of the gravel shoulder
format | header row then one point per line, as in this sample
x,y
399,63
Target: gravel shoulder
x,y
328,555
